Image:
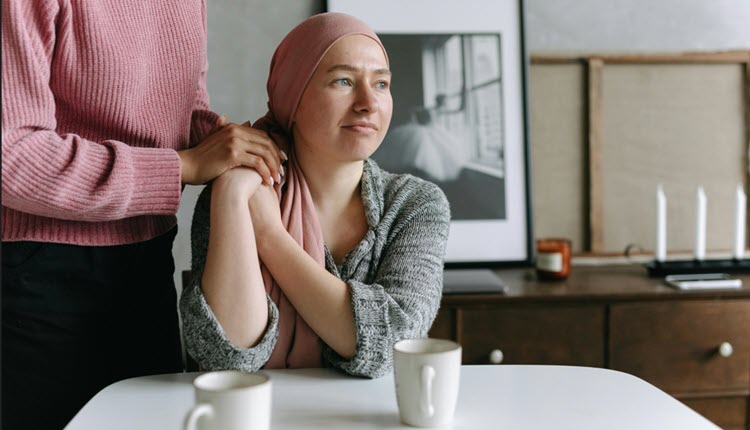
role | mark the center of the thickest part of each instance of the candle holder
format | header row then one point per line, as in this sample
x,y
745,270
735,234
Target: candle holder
x,y
678,267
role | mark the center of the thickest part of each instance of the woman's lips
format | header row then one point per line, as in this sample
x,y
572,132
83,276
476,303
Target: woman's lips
x,y
361,127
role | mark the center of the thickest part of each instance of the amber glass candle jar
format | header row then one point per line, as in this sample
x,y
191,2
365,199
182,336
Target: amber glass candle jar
x,y
553,258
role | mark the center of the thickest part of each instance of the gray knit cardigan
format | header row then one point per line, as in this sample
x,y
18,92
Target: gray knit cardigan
x,y
395,275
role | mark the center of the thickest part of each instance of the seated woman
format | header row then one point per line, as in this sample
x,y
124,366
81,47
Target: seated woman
x,y
341,259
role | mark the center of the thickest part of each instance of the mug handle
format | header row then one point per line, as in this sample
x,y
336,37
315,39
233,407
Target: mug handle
x,y
426,375
196,412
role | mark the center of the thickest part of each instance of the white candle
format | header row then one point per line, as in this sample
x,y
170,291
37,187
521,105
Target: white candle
x,y
739,223
700,225
661,224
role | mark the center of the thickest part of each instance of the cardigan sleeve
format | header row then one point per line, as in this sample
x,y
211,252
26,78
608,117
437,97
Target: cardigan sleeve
x,y
403,300
205,339
65,176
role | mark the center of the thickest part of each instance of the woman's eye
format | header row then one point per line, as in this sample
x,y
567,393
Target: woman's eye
x,y
344,82
382,85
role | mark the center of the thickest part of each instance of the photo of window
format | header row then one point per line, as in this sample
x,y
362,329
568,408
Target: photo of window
x,y
447,125
460,116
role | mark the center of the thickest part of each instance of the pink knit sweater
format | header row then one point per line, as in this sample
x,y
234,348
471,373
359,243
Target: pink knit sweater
x,y
96,98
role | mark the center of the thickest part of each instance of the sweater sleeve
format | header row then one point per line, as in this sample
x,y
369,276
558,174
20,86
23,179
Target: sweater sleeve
x,y
203,119
65,176
205,339
403,300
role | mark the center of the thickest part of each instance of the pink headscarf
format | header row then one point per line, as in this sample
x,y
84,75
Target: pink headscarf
x,y
292,66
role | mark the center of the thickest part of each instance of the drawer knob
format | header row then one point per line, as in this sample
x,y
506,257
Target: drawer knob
x,y
725,349
496,356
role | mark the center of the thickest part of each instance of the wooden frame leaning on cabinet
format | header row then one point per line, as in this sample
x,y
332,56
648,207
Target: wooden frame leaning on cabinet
x,y
644,119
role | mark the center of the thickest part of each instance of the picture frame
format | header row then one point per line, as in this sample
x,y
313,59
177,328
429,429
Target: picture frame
x,y
460,117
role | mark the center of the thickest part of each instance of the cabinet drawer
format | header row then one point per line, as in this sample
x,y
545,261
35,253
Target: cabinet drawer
x,y
442,327
729,413
675,345
548,334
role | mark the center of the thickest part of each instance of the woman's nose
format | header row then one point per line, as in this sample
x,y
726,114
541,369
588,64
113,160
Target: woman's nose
x,y
366,100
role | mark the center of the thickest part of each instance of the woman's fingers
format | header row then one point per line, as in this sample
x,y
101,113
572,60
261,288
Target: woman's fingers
x,y
263,154
220,123
258,143
271,144
259,164
280,154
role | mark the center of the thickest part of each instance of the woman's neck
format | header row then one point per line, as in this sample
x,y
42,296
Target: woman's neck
x,y
333,185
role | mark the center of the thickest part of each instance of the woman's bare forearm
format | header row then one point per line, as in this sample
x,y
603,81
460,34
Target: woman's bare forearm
x,y
323,300
232,282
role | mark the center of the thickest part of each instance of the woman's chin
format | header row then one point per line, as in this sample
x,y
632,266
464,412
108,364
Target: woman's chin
x,y
359,149
340,149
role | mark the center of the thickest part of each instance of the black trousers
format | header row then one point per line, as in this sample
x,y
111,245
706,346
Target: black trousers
x,y
78,318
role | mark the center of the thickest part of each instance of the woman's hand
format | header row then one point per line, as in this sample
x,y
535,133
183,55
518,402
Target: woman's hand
x,y
266,215
244,186
229,146
239,184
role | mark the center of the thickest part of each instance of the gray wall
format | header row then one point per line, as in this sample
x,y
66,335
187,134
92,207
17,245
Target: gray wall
x,y
637,25
242,35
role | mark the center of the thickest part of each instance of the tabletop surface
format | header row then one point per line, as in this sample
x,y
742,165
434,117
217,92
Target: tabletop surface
x,y
490,397
593,283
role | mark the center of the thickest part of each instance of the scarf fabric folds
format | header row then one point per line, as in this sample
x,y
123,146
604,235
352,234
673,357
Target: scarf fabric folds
x,y
292,66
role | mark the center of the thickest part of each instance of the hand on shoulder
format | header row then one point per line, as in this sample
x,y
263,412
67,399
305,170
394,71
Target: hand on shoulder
x,y
229,146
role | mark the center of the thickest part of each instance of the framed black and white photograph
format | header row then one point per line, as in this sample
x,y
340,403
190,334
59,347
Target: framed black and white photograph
x,y
459,116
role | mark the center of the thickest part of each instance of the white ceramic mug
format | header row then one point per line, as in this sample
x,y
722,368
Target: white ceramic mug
x,y
427,373
230,400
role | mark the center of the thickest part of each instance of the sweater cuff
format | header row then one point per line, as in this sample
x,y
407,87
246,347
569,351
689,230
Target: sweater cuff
x,y
373,352
207,343
158,181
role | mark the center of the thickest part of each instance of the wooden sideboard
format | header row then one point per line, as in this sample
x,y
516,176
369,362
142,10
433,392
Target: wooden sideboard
x,y
615,317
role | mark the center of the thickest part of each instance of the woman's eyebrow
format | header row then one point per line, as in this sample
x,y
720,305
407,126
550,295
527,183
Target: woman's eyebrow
x,y
348,68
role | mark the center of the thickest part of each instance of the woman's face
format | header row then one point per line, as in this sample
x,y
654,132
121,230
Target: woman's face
x,y
346,107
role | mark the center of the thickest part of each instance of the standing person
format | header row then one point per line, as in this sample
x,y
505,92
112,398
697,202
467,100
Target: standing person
x,y
335,265
104,118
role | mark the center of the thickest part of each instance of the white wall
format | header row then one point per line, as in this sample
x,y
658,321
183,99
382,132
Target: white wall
x,y
242,35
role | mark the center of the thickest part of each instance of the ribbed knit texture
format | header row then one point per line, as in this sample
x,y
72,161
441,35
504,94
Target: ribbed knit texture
x,y
97,96
395,275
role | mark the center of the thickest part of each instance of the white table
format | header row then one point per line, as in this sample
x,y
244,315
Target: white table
x,y
490,397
